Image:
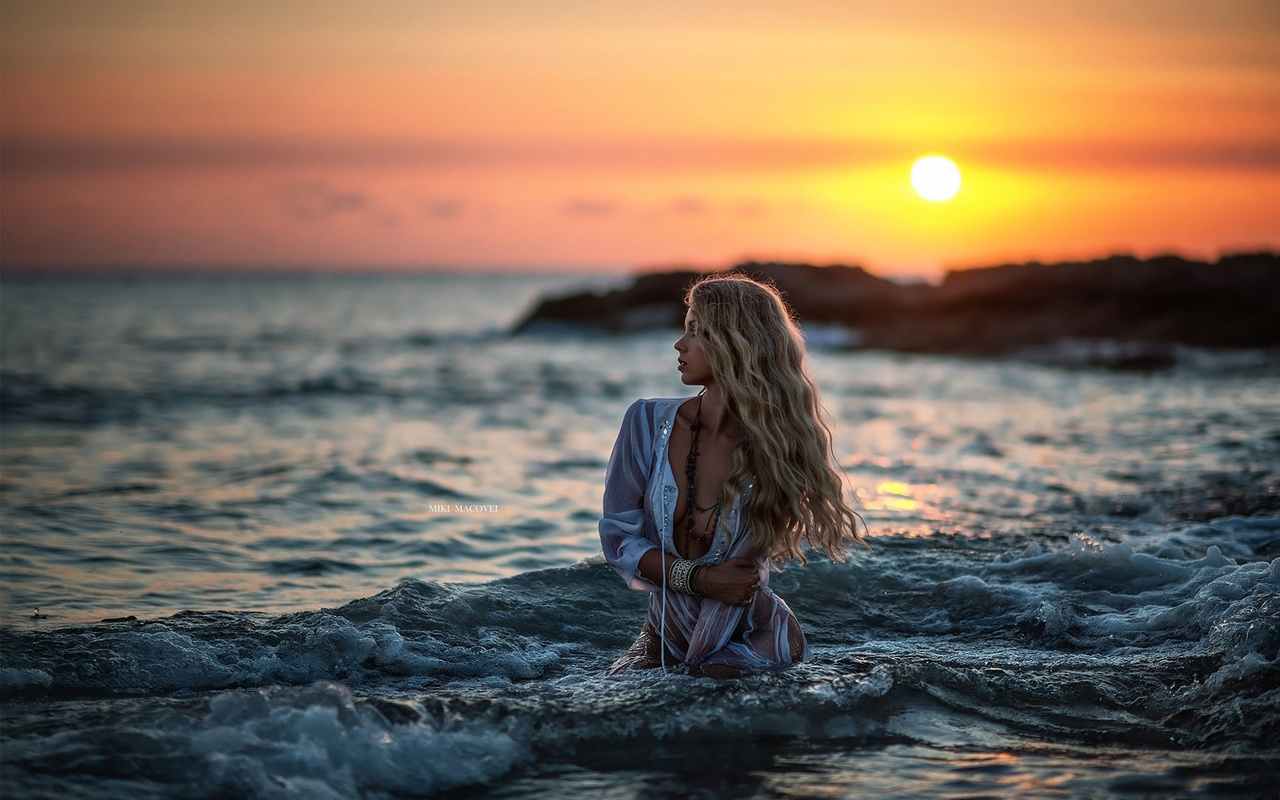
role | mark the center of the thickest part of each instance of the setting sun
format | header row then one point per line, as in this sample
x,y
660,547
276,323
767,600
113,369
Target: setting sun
x,y
935,178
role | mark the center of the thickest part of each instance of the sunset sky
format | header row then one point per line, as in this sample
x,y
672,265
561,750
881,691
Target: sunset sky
x,y
526,134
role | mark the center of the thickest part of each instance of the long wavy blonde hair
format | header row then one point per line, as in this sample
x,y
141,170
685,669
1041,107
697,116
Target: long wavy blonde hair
x,y
756,354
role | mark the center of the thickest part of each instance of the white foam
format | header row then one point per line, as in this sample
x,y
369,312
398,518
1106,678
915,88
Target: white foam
x,y
18,678
318,742
170,656
1109,597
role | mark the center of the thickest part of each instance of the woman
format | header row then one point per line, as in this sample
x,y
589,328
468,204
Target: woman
x,y
703,493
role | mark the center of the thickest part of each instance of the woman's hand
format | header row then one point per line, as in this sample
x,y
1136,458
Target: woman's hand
x,y
735,582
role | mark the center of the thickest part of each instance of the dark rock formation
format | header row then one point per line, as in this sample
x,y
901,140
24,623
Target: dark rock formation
x,y
652,301
1233,303
1154,303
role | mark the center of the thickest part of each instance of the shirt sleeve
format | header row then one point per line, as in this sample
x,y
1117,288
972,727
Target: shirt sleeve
x,y
626,531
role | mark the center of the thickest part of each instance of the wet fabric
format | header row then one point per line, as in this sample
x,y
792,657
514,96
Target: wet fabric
x,y
640,497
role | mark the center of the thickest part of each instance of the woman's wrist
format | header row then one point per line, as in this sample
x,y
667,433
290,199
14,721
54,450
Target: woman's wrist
x,y
683,577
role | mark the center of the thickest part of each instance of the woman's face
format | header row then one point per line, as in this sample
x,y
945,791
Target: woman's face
x,y
694,370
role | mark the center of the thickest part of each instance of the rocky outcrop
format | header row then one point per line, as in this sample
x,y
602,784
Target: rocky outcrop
x,y
1168,300
1158,302
654,300
833,295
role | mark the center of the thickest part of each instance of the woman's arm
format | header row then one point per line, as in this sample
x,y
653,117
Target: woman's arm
x,y
625,527
734,582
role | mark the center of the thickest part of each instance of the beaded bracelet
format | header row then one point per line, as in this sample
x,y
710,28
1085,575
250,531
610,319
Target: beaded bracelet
x,y
680,570
684,577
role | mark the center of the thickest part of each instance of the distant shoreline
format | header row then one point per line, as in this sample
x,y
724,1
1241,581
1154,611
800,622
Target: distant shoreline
x,y
1121,311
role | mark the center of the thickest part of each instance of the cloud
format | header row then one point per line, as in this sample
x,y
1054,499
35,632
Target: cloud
x,y
443,209
590,207
313,201
317,202
41,155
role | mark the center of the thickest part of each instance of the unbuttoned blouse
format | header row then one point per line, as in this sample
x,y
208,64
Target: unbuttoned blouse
x,y
640,496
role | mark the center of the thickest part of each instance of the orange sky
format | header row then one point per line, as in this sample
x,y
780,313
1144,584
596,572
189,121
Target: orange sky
x,y
534,134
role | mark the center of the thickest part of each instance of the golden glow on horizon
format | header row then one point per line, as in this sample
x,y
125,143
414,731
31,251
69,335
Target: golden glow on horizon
x,y
935,178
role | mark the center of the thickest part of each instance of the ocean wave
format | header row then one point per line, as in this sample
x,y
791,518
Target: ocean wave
x,y
339,478
326,740
426,631
317,741
1086,639
35,399
135,394
31,398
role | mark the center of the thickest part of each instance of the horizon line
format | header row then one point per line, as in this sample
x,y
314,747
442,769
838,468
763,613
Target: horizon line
x,y
389,270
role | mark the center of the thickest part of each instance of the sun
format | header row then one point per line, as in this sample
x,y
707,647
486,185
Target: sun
x,y
935,178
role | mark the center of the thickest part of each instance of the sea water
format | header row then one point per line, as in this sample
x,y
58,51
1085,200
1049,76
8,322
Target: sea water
x,y
335,536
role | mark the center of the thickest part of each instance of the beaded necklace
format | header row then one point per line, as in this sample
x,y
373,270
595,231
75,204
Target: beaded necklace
x,y
691,535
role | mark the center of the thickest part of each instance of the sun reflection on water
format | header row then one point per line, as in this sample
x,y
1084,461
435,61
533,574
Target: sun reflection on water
x,y
893,496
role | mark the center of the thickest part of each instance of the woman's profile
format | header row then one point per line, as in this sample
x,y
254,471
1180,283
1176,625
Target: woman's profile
x,y
703,494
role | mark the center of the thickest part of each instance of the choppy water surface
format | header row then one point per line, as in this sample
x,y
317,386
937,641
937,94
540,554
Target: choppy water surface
x,y
354,525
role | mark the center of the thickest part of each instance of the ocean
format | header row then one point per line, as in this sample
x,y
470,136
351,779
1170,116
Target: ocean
x,y
322,536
